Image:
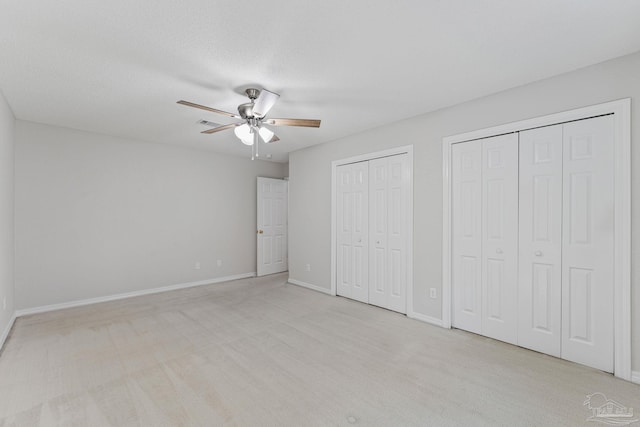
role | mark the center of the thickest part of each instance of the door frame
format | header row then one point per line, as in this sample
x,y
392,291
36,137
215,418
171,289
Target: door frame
x,y
621,109
408,150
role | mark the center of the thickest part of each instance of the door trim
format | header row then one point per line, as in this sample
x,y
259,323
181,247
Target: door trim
x,y
621,109
408,150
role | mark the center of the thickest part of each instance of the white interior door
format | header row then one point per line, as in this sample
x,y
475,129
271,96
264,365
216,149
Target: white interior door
x,y
352,267
272,226
587,235
500,237
388,208
378,202
540,240
466,241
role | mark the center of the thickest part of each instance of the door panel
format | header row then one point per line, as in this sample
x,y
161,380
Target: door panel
x,y
540,240
388,189
466,201
541,297
580,305
272,226
587,257
398,196
500,237
352,230
378,180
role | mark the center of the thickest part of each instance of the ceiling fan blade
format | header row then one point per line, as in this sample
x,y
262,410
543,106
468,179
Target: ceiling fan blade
x,y
219,128
204,107
265,101
209,123
309,123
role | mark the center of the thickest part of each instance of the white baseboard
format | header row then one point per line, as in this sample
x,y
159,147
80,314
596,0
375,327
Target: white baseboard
x,y
309,286
79,303
7,330
635,377
425,318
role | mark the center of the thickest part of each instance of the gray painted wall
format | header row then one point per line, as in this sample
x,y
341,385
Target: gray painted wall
x,y
98,215
310,172
6,214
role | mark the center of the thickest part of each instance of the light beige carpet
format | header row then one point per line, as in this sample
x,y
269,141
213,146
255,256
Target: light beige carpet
x,y
261,352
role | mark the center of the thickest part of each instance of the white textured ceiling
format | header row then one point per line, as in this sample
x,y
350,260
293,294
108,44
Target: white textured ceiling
x,y
118,67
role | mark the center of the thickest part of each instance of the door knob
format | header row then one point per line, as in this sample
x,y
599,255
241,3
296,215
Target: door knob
x,y
377,242
538,253
260,231
498,251
359,240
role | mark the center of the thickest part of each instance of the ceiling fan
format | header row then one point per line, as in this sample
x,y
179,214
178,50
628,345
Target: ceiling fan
x,y
251,129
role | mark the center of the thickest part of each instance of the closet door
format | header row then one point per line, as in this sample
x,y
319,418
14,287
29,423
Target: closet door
x,y
500,237
540,240
388,213
587,235
352,231
466,259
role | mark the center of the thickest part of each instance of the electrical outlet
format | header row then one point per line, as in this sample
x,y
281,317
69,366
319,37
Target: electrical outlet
x,y
432,293
308,267
219,263
197,266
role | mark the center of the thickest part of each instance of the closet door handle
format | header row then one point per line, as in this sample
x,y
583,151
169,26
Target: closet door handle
x,y
359,240
498,251
538,253
377,242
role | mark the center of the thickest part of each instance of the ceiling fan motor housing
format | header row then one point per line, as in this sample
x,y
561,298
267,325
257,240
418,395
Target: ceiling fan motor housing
x,y
246,110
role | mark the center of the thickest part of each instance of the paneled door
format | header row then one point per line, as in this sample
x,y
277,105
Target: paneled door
x,y
466,259
388,213
540,240
500,237
485,236
536,243
587,237
272,226
352,229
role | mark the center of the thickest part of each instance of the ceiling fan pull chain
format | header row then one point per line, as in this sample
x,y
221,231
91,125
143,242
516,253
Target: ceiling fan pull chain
x,y
256,141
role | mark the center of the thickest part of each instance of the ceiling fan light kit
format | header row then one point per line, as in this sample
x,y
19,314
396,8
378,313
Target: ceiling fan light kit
x,y
244,134
266,134
251,130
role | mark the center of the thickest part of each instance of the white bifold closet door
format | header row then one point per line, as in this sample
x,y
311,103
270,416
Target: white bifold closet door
x,y
540,240
388,195
566,241
485,233
466,271
372,211
352,231
532,239
500,237
587,242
